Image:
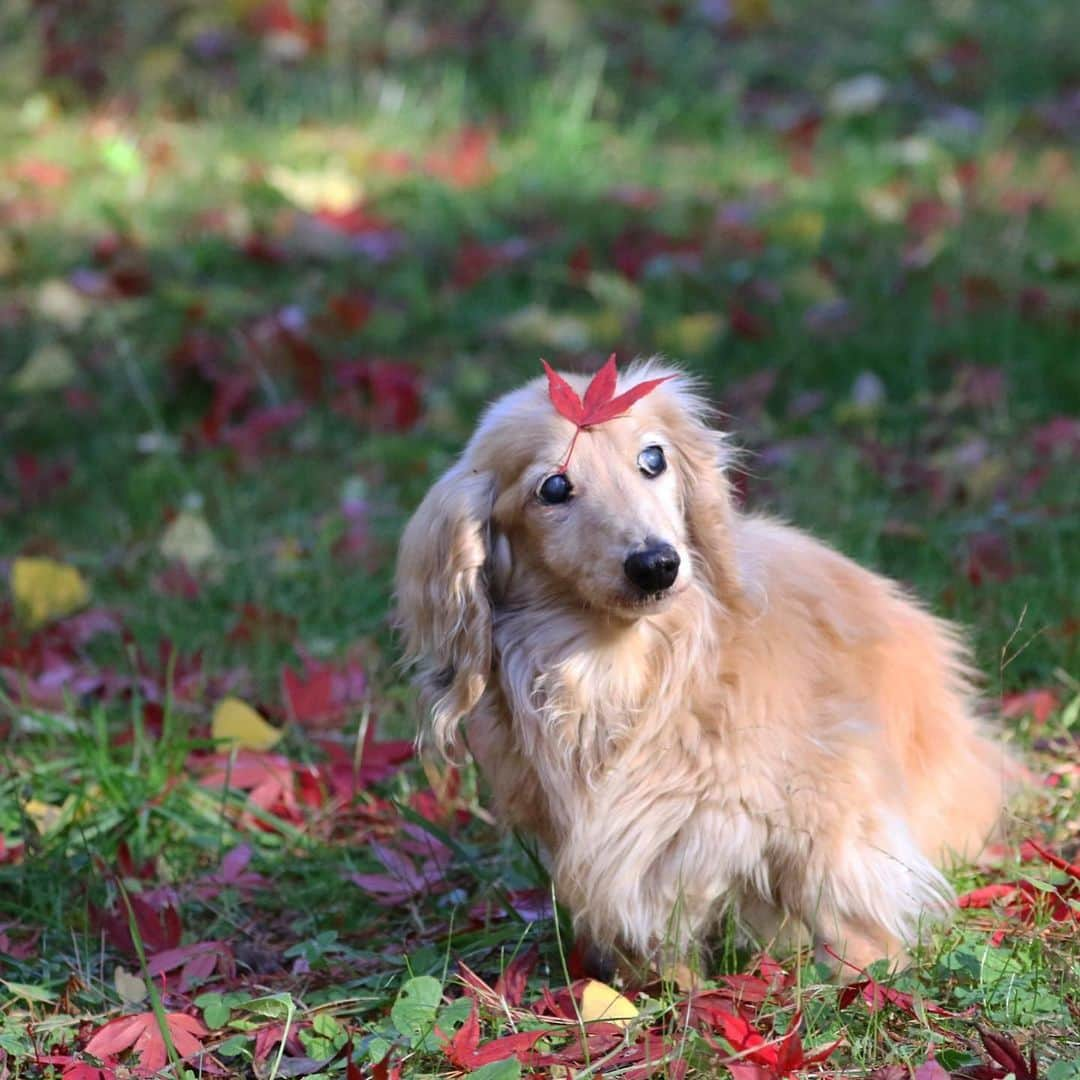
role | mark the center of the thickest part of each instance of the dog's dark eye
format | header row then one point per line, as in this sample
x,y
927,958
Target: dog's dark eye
x,y
555,489
651,461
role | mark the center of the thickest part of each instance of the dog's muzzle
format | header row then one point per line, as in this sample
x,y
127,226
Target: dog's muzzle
x,y
653,569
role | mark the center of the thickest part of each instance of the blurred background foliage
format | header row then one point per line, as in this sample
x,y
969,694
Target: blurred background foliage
x,y
312,237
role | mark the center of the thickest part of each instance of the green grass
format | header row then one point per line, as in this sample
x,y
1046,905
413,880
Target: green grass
x,y
889,321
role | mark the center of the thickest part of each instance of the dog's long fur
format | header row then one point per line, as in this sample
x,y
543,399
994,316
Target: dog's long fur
x,y
783,731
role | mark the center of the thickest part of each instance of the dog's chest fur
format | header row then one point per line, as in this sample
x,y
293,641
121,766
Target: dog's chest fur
x,y
619,733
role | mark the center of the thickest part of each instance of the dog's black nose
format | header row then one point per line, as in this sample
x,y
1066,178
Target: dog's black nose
x,y
653,569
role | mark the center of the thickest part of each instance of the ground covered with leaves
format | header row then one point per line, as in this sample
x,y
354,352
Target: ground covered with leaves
x,y
261,265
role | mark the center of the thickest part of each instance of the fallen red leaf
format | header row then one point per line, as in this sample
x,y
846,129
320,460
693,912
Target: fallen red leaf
x,y
466,162
274,783
278,19
928,216
988,558
1038,704
1006,1060
347,772
1023,899
257,623
777,1055
197,962
383,394
74,1069
311,698
1035,848
158,926
40,173
511,983
929,1070
9,853
1059,436
877,995
351,310
386,1070
405,879
985,896
745,324
270,1036
249,437
232,874
140,1034
464,1049
323,693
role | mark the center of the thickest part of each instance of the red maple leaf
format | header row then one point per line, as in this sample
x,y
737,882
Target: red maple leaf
x,y
320,695
985,896
775,1056
1036,849
1038,704
9,853
197,962
232,874
275,784
311,698
1006,1060
464,1049
511,983
140,1033
600,403
158,926
466,162
877,995
1023,899
74,1069
405,880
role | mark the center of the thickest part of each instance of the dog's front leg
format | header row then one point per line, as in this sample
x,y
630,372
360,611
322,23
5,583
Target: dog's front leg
x,y
868,902
635,923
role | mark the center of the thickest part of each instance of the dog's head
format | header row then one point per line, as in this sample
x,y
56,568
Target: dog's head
x,y
621,532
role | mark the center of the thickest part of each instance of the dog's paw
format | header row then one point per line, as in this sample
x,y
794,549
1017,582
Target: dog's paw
x,y
848,960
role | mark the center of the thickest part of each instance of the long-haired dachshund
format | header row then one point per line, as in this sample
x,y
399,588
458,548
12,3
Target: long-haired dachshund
x,y
693,709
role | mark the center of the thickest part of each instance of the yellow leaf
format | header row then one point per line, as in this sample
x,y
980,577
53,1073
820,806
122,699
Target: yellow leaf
x,y
614,291
805,227
883,204
288,555
62,303
600,1002
558,23
130,987
605,326
188,539
752,13
537,324
48,367
810,285
692,334
242,9
238,723
158,64
324,189
45,589
45,816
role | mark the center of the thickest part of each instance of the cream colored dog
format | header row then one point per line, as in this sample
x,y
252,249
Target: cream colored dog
x,y
692,708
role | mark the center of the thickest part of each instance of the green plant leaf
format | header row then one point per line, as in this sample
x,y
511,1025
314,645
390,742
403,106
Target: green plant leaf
x,y
509,1069
414,1011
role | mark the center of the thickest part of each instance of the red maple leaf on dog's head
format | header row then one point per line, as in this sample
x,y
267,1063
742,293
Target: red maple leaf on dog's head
x,y
599,404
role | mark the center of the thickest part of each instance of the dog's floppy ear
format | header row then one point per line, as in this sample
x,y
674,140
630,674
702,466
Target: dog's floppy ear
x,y
443,607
